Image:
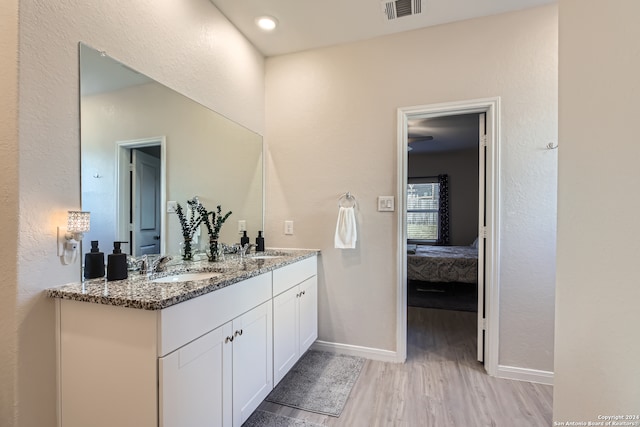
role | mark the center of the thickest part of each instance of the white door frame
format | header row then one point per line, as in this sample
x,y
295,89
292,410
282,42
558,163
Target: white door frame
x,y
490,106
122,185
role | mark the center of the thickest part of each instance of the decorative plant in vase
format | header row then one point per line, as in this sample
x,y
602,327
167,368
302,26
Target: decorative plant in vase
x,y
189,226
213,227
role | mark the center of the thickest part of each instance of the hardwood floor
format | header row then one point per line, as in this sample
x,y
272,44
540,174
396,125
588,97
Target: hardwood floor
x,y
441,384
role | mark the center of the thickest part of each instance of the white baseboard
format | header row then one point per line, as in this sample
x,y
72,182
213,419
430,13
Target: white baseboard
x,y
355,350
524,374
506,372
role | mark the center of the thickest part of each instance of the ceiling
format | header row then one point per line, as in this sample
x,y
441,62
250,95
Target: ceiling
x,y
310,24
444,133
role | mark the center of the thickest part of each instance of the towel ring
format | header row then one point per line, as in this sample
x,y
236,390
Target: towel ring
x,y
347,200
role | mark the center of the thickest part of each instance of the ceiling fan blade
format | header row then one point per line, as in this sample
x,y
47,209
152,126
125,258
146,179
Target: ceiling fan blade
x,y
413,140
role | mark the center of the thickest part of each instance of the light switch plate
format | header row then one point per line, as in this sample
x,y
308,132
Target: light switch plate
x,y
386,204
242,226
288,228
172,206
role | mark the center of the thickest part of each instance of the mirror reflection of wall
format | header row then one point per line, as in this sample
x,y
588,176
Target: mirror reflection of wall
x,y
123,114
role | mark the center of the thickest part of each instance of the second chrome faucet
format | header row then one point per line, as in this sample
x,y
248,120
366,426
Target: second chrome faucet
x,y
156,265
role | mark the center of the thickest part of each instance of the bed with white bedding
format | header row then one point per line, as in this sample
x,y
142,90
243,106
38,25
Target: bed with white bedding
x,y
442,263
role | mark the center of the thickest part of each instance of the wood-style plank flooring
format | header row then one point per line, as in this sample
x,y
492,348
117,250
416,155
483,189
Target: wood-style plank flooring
x,y
441,384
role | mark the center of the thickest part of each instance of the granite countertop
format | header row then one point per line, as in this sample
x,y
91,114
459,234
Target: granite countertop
x,y
138,291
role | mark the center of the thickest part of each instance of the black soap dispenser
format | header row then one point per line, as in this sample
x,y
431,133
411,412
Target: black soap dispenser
x,y
244,240
117,263
259,242
94,262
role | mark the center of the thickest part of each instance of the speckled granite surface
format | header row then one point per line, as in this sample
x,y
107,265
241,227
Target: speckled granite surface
x,y
138,291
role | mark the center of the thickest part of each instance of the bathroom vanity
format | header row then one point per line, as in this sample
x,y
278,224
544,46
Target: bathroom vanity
x,y
139,352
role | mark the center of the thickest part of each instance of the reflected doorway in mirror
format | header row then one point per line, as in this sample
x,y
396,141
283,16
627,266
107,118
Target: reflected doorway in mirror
x,y
141,194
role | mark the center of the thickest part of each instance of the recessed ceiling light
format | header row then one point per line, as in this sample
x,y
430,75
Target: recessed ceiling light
x,y
267,23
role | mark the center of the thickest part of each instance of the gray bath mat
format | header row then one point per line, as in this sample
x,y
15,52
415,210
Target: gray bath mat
x,y
320,382
267,419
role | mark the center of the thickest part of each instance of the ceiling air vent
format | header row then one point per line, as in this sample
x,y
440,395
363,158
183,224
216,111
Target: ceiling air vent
x,y
399,8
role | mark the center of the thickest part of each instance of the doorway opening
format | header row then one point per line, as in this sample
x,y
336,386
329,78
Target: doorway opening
x,y
442,212
424,222
141,195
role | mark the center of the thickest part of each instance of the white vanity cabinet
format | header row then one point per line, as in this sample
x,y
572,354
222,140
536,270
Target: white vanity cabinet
x,y
295,314
196,380
252,361
205,361
220,378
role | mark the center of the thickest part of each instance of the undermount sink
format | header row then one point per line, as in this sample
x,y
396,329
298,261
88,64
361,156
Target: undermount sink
x,y
187,277
265,256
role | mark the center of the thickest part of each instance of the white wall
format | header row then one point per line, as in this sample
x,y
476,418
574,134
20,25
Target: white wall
x,y
597,346
331,128
187,45
8,206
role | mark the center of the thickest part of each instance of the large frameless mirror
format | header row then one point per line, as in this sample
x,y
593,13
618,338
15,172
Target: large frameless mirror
x,y
145,146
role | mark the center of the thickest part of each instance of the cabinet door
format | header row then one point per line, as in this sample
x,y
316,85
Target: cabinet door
x,y
286,343
252,361
308,302
195,382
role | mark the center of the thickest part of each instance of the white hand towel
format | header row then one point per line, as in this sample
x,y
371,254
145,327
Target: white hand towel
x,y
346,233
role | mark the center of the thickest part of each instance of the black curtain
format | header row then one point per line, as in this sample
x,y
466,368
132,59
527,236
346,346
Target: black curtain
x,y
443,227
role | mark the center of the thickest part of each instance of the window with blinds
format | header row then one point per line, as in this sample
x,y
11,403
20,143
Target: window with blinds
x,y
423,216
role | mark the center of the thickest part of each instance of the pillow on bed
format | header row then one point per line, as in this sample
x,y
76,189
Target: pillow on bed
x,y
411,249
475,243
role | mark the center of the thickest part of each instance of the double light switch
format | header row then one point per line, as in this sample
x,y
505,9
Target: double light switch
x,y
386,204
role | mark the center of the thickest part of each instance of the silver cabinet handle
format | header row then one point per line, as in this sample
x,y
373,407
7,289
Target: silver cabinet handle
x,y
228,339
236,333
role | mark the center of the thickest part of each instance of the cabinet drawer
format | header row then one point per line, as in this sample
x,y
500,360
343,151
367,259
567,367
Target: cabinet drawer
x,y
288,276
184,322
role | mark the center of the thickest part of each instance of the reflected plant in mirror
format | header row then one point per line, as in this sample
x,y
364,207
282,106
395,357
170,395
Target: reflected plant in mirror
x,y
144,146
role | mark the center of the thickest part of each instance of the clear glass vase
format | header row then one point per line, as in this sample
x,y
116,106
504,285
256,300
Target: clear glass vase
x,y
213,251
186,249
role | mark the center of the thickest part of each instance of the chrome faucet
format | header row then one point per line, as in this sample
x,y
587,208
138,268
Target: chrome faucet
x,y
160,263
244,250
156,266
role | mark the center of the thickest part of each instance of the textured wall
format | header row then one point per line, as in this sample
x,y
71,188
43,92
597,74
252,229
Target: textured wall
x,y
331,128
187,45
597,346
8,207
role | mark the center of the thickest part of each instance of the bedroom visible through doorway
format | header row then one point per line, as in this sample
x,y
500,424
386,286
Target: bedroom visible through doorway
x,y
447,227
442,212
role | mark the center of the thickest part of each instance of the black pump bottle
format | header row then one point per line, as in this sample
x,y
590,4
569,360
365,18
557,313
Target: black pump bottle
x,y
259,242
244,240
94,262
117,263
